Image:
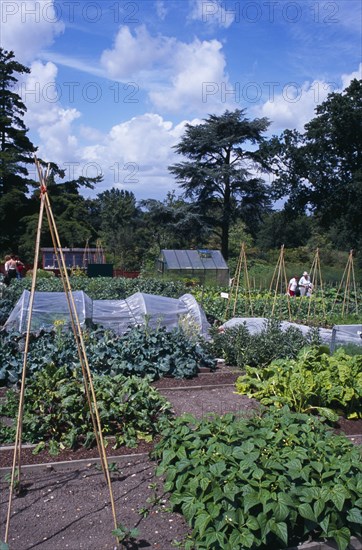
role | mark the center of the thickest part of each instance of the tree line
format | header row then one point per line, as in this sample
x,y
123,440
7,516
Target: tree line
x,y
223,196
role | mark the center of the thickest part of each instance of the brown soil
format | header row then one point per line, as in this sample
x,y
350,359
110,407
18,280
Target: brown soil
x,y
66,505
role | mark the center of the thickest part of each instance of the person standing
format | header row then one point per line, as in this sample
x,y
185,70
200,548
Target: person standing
x,y
10,269
292,286
304,283
19,267
309,289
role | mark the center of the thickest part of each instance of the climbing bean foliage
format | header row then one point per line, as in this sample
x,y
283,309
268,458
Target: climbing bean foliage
x,y
142,351
56,411
266,482
238,346
323,308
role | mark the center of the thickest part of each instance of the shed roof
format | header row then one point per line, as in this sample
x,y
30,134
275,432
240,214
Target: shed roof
x,y
194,259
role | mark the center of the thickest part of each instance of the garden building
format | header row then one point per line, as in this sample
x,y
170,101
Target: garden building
x,y
207,266
73,257
91,260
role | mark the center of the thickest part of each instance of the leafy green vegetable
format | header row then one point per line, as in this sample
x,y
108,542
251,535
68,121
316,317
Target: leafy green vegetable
x,y
142,352
269,481
56,411
315,380
238,346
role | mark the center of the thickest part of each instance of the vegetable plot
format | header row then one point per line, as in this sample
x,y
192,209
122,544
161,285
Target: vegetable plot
x,y
267,482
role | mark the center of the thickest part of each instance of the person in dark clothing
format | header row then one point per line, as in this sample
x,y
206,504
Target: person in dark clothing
x,y
19,267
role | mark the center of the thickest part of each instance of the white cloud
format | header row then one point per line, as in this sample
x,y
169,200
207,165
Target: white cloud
x,y
174,73
347,78
132,54
295,106
135,154
27,26
196,66
45,115
212,13
132,155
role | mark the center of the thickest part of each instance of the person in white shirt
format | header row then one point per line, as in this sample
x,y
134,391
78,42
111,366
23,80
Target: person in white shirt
x,y
304,283
292,286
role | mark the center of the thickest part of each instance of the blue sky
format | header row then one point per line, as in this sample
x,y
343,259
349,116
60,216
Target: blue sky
x,y
113,83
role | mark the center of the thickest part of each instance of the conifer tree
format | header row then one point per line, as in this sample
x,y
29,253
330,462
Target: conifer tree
x,y
16,152
16,149
218,175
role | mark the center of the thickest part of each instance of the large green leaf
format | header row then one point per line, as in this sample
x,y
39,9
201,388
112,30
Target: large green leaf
x,y
280,529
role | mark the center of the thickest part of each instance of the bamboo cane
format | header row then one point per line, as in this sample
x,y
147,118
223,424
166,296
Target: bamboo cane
x,y
346,294
348,279
354,283
233,289
316,279
247,280
281,274
17,446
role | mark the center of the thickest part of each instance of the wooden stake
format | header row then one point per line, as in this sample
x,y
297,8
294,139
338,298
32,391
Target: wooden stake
x,y
279,276
348,279
316,280
99,256
234,290
86,254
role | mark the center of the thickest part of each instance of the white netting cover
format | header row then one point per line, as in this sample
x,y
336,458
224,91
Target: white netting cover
x,y
339,335
139,308
346,334
48,307
119,315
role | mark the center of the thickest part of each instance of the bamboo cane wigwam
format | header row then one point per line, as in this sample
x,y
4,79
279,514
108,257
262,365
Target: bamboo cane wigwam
x,y
77,331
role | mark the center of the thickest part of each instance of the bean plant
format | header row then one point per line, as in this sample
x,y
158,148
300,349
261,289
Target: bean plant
x,y
266,482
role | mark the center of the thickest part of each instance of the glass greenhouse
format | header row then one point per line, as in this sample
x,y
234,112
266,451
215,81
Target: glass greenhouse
x,y
208,266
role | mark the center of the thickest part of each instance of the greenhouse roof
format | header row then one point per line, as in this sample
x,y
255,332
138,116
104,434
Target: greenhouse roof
x,y
194,259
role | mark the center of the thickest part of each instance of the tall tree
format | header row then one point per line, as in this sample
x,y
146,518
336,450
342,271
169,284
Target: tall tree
x,y
218,172
16,152
320,169
284,227
74,216
118,215
174,223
